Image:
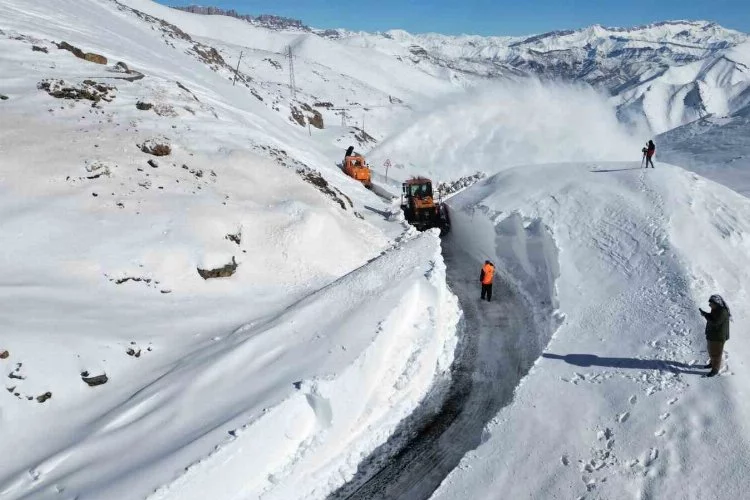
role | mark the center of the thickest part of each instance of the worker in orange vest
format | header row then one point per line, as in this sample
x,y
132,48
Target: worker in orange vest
x,y
488,272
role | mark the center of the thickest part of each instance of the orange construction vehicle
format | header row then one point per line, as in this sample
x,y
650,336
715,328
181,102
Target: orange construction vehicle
x,y
356,167
420,208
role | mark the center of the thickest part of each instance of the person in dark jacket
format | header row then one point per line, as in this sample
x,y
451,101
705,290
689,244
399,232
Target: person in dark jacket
x,y
717,331
650,150
485,277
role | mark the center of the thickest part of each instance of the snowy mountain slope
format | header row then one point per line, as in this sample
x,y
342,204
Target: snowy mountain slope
x,y
715,147
278,380
615,406
103,245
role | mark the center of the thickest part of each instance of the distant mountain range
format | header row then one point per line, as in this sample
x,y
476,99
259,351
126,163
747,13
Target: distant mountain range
x,y
661,75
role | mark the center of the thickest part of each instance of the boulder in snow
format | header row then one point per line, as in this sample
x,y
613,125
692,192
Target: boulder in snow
x,y
221,272
44,397
144,106
4,354
94,381
156,147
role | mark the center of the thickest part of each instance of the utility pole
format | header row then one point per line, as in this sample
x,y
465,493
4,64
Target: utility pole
x,y
292,83
342,112
237,70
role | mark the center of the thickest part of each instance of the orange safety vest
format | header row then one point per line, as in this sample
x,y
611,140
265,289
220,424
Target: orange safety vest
x,y
489,271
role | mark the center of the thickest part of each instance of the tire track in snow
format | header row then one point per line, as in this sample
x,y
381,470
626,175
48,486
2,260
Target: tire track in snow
x,y
493,354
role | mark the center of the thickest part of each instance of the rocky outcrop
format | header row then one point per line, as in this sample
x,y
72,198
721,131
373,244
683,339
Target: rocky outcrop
x,y
86,56
156,147
87,90
221,272
95,380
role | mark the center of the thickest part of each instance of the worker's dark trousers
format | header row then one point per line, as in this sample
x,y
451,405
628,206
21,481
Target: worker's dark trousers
x,y
650,161
487,292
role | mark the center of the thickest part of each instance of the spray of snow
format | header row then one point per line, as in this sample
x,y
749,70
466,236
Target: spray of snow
x,y
509,124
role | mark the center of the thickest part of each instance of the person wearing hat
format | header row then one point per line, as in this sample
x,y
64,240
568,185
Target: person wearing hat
x,y
717,331
485,277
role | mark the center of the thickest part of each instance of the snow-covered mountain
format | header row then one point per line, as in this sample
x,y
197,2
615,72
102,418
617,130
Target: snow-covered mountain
x,y
669,73
199,304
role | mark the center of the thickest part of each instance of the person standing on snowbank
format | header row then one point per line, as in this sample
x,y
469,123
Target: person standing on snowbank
x,y
717,331
650,150
485,277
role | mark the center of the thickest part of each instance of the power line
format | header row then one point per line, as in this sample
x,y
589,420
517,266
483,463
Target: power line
x,y
238,68
292,83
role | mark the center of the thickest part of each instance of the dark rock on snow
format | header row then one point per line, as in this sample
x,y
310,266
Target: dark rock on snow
x,y
221,272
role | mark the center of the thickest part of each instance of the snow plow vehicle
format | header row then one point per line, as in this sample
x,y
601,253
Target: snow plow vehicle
x,y
356,167
420,208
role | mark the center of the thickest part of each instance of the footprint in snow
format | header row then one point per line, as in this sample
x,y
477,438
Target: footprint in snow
x,y
623,417
664,416
659,433
565,460
653,454
672,401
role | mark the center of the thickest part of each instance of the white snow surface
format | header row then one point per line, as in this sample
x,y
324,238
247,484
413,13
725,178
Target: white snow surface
x,y
615,407
333,328
275,382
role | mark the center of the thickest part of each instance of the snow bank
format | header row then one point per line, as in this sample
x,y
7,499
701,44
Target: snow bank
x,y
507,124
303,395
615,407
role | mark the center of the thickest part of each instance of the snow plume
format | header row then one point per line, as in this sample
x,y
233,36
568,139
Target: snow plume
x,y
513,123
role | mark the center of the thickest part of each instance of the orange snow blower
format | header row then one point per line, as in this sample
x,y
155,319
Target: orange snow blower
x,y
420,208
356,167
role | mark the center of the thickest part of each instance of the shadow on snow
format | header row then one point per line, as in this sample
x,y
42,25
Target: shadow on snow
x,y
588,360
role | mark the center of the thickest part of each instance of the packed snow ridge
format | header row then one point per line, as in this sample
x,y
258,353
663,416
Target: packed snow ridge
x,y
199,304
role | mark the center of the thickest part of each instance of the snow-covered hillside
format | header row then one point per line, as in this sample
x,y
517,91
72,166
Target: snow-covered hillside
x,y
716,147
188,243
199,304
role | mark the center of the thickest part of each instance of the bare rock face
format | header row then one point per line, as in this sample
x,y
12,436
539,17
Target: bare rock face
x,y
156,147
297,116
221,272
86,56
37,48
95,380
71,48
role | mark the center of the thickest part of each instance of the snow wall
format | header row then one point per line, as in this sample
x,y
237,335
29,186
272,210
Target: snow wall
x,y
525,255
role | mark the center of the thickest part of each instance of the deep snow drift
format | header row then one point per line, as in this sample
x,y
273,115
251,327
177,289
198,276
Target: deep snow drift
x,y
615,407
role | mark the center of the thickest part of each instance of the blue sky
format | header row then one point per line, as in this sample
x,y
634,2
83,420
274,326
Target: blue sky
x,y
488,17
